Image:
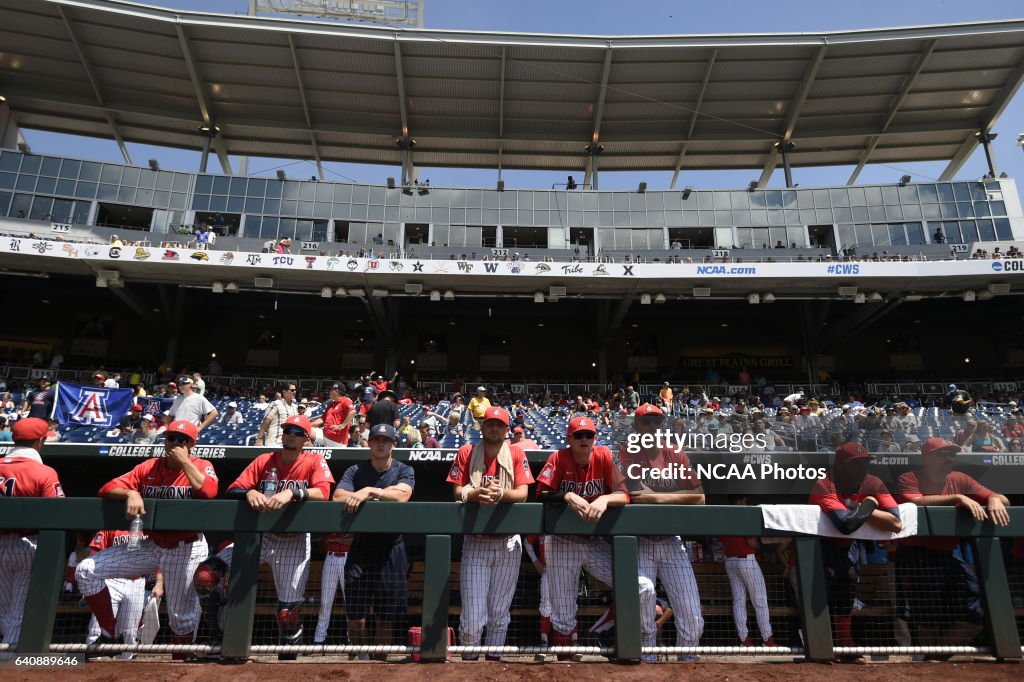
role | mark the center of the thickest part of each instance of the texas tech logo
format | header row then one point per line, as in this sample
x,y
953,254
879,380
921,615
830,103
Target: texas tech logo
x,y
91,408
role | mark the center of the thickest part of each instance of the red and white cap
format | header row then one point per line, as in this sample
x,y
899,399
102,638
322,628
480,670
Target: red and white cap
x,y
299,421
648,408
581,424
183,427
499,413
851,450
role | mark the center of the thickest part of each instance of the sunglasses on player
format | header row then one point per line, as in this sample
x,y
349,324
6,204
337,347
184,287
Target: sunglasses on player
x,y
294,432
584,435
175,438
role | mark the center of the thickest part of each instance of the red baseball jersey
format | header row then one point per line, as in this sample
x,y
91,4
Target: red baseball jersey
x,y
459,473
911,485
825,495
686,479
309,470
599,476
154,478
334,417
736,546
20,477
109,538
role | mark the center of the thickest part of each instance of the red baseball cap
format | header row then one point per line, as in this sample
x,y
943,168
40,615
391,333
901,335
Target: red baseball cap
x,y
647,409
499,413
581,424
851,450
30,428
518,429
184,427
100,376
933,445
300,421
136,408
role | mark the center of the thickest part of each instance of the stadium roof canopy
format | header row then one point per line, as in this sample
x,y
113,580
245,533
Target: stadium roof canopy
x,y
334,92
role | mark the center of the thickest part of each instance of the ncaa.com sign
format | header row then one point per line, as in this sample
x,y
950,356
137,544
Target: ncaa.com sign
x,y
1008,266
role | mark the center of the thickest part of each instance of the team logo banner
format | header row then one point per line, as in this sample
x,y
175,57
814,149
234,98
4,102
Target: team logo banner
x,y
155,406
91,405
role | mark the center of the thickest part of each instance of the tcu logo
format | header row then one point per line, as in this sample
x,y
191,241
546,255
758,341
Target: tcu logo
x,y
283,260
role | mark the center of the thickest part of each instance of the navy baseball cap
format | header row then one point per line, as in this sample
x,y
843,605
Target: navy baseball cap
x,y
385,430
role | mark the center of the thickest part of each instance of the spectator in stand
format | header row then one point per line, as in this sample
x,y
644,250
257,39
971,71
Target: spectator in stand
x,y
665,398
131,421
1013,428
192,407
198,385
337,418
885,444
232,417
913,444
276,415
284,246
427,436
145,434
632,399
380,384
7,405
112,382
367,398
384,411
37,403
170,390
140,390
939,237
5,431
406,427
905,418
519,438
984,440
261,403
478,406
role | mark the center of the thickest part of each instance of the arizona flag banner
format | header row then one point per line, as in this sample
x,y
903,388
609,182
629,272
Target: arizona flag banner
x,y
91,405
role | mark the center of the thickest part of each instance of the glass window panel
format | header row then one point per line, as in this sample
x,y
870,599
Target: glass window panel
x,y
932,211
1003,231
322,209
457,235
21,205
51,167
873,196
655,201
863,233
948,210
272,206
789,198
843,215
796,235
655,217
893,213
928,194
723,217
978,192
673,218
27,183
622,218
915,233
758,199
860,213
690,219
509,216
847,237
200,202
440,215
908,194
254,206
130,176
359,213
805,199
162,180
743,237
839,197
145,197
378,195
31,164
342,194
604,218
80,214
41,206
510,199
890,196
742,218
237,186
237,204
876,212
822,216
945,192
969,231
65,187
638,202
807,216
621,201
773,197
961,191
776,218
722,201
776,235
820,198
491,199
291,190
952,231
476,215
911,212
391,213
181,182
147,179
987,230
69,169
107,193
257,187
982,208
289,227
965,209
178,200
204,184
880,235
10,161
897,235
62,209
90,171
218,203
307,191
792,217
458,215
221,184
758,217
46,185
705,200
604,201
998,208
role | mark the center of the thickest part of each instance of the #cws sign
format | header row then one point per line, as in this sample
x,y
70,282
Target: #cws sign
x,y
91,405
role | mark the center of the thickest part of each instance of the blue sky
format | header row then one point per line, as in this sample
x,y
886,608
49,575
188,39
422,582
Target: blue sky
x,y
614,17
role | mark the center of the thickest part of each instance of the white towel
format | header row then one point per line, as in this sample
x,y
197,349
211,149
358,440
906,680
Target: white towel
x,y
808,519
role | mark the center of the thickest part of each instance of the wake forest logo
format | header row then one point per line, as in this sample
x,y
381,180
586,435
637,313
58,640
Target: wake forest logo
x,y
464,266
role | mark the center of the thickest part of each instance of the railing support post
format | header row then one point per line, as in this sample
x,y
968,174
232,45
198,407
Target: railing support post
x,y
996,603
436,571
241,606
815,618
625,576
44,590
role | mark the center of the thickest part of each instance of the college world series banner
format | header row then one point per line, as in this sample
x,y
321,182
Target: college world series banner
x,y
91,405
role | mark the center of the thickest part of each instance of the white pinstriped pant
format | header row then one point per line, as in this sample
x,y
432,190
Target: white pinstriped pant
x,y
746,579
287,554
664,557
128,599
489,573
331,578
16,555
566,555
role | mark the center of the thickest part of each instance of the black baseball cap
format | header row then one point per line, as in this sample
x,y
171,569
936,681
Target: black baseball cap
x,y
385,430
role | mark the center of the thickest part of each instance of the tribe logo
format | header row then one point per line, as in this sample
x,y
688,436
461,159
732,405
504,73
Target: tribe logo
x,y
600,270
227,258
576,269
169,255
372,265
464,266
70,250
254,259
114,252
352,264
42,247
15,245
141,253
396,266
309,262
417,267
542,267
283,260
332,263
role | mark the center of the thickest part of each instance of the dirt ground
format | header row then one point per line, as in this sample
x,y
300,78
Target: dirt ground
x,y
146,671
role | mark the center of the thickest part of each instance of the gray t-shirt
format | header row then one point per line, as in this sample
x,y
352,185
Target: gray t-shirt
x,y
139,438
194,408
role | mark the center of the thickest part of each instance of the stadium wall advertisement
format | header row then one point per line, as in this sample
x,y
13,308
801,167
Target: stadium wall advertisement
x,y
265,262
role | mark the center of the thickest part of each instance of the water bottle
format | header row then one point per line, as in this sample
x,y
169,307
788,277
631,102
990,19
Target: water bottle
x,y
270,484
135,533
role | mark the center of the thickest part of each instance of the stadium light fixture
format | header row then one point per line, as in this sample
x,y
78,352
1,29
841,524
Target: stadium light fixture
x,y
2,99
154,165
500,186
753,299
642,187
752,186
659,298
391,183
326,292
768,298
435,295
686,192
904,180
449,295
645,299
217,287
210,130
281,175
538,297
970,296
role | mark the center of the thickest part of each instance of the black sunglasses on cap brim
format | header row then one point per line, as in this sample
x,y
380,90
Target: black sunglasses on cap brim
x,y
584,435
